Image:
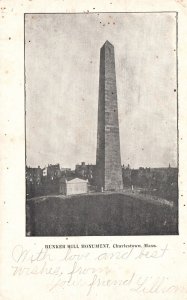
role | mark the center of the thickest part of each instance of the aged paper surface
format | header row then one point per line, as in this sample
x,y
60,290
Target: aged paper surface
x,y
113,264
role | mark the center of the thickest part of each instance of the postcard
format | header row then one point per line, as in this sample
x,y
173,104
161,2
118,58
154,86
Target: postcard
x,y
93,150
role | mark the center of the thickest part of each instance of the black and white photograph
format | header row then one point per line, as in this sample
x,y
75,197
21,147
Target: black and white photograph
x,y
101,124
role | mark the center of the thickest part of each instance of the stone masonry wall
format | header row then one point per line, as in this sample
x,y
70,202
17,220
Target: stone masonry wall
x,y
108,147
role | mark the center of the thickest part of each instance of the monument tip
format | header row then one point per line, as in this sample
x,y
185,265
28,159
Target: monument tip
x,y
107,43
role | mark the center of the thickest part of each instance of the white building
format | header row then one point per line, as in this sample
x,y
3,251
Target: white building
x,y
73,186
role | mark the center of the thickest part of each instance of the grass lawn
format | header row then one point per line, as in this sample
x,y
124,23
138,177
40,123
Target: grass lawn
x,y
99,215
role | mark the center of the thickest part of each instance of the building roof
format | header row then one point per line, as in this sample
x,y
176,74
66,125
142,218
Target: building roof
x,y
73,180
77,180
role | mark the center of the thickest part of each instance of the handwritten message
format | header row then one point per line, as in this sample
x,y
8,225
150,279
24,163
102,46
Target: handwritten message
x,y
76,266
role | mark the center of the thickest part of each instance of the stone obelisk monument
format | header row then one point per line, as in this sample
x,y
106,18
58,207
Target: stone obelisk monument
x,y
108,160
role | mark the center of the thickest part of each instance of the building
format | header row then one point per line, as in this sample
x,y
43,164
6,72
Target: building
x,y
34,175
33,181
85,171
44,170
67,172
53,172
73,186
65,169
108,157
